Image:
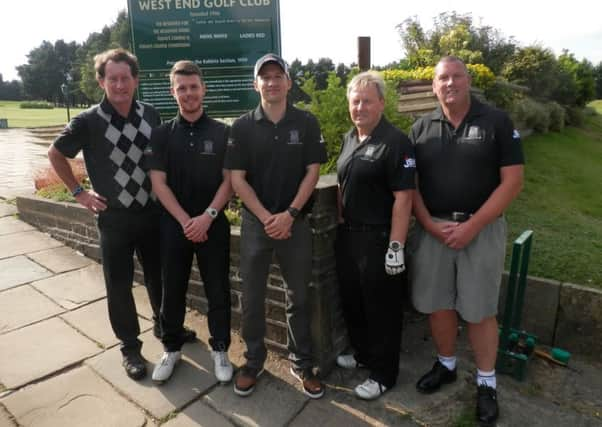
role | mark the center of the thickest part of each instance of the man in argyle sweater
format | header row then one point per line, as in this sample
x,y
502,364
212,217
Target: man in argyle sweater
x,y
113,136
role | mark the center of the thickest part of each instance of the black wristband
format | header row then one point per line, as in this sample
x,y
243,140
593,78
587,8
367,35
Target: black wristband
x,y
293,211
77,191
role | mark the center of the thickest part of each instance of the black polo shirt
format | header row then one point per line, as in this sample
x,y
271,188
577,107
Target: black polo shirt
x,y
275,156
458,169
113,148
369,172
192,157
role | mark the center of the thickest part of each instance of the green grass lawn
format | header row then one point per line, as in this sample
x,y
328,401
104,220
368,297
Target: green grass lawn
x,y
562,203
26,117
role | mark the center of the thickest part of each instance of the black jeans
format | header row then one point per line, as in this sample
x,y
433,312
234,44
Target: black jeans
x,y
123,233
371,301
213,260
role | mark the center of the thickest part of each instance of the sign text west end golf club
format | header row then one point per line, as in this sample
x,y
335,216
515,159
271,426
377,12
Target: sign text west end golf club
x,y
224,37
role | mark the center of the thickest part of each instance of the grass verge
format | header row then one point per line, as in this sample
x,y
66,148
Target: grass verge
x,y
26,117
562,203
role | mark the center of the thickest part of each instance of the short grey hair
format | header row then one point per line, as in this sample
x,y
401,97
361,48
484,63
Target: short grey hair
x,y
366,79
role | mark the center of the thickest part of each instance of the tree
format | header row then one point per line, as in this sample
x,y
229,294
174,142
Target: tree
x,y
113,36
536,68
11,91
454,34
582,74
598,78
47,68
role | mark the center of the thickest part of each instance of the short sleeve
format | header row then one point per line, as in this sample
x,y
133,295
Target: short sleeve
x,y
401,164
157,155
314,149
235,155
73,138
509,143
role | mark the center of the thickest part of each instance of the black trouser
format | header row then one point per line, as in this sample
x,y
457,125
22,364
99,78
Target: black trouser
x,y
123,232
257,251
213,260
371,301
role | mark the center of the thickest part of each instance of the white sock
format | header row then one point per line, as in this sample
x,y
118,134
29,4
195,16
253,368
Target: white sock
x,y
486,378
448,362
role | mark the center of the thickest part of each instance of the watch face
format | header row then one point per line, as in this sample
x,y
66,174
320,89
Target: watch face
x,y
395,246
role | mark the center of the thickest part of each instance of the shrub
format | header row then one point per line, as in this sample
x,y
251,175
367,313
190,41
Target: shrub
x,y
530,114
46,176
41,105
574,116
57,192
482,77
557,116
48,184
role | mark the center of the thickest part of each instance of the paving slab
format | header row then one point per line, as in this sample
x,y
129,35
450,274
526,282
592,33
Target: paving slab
x,y
60,260
75,288
26,242
198,415
6,419
192,377
93,321
18,270
143,306
35,351
76,398
273,403
343,409
10,224
24,305
7,209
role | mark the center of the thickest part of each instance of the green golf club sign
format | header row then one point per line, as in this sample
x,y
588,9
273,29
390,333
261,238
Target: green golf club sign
x,y
224,37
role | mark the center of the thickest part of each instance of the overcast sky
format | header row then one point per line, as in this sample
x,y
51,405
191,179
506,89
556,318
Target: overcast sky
x,y
312,29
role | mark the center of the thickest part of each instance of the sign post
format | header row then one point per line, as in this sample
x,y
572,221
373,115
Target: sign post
x,y
223,37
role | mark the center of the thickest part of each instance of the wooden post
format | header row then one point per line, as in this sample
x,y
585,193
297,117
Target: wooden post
x,y
363,53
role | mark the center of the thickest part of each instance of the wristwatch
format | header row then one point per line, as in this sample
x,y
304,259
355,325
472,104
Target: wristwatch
x,y
212,212
395,246
293,211
77,191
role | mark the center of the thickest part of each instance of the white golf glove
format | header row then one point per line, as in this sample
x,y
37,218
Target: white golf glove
x,y
394,263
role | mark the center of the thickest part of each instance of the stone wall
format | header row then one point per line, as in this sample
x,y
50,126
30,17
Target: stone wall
x,y
560,314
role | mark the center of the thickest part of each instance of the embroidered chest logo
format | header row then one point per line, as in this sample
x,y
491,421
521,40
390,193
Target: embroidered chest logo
x,y
409,162
369,152
294,137
208,147
474,133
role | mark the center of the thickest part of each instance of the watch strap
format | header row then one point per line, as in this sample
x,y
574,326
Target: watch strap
x,y
77,191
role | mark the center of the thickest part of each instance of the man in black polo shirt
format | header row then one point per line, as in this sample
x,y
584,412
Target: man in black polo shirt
x,y
113,136
275,153
376,180
470,167
188,177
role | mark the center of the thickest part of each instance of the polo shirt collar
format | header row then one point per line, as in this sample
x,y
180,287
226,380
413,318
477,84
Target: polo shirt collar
x,y
196,124
259,114
476,109
378,131
108,108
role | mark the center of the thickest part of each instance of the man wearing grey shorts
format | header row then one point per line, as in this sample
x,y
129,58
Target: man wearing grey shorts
x,y
469,166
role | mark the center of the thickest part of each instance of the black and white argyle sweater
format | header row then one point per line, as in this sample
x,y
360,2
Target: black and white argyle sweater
x,y
113,147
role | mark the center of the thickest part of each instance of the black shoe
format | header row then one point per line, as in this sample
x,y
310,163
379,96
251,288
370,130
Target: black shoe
x,y
487,409
435,378
135,366
188,335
